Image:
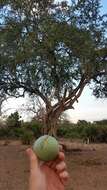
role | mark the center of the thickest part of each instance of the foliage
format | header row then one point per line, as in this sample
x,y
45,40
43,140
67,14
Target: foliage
x,y
82,130
4,133
83,123
89,133
69,131
2,123
33,126
26,131
11,133
92,132
101,134
13,120
53,50
17,132
27,137
101,122
3,97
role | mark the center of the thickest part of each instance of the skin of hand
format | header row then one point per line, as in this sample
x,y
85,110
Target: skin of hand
x,y
51,175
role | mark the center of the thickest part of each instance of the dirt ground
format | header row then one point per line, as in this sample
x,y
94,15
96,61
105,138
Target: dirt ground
x,y
87,165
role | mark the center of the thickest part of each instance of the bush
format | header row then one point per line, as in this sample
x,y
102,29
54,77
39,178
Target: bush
x,y
12,133
27,137
69,131
31,130
4,133
2,123
33,126
26,131
13,120
92,132
101,134
18,132
89,132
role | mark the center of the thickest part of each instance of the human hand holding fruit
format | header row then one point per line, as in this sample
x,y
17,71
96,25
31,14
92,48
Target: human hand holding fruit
x,y
50,175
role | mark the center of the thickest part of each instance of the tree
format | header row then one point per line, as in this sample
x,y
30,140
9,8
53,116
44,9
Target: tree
x,y
13,120
3,97
35,106
101,122
83,123
53,50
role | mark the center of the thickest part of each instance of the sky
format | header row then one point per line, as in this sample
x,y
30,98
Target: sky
x,y
88,108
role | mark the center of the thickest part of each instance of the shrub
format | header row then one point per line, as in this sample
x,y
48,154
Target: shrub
x,y
18,132
27,137
2,123
101,134
13,120
69,131
4,133
33,126
89,132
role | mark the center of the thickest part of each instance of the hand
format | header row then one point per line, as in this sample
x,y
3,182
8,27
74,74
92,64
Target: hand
x,y
49,175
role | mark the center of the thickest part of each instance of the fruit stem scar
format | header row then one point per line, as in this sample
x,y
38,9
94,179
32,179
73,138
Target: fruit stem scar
x,y
45,141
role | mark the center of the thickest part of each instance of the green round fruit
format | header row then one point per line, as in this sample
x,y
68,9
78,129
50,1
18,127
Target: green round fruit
x,y
46,148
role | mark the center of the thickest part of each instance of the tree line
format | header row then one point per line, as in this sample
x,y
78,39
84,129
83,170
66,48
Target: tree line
x,y
15,128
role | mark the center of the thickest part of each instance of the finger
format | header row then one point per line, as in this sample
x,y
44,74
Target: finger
x,y
61,157
60,148
64,176
61,166
33,158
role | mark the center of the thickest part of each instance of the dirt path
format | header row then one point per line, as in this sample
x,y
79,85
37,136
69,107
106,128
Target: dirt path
x,y
87,165
13,168
88,168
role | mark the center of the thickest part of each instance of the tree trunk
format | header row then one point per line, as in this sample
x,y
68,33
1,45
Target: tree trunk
x,y
51,124
54,112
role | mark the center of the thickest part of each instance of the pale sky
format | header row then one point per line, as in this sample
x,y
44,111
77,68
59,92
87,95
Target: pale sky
x,y
88,108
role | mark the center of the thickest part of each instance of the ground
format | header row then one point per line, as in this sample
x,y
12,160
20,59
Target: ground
x,y
87,165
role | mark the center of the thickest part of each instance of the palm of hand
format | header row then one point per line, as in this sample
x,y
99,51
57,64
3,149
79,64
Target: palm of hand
x,y
51,179
50,176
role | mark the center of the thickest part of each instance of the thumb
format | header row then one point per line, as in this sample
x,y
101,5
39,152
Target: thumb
x,y
34,163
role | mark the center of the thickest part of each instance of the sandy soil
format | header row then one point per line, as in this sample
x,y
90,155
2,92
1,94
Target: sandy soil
x,y
87,165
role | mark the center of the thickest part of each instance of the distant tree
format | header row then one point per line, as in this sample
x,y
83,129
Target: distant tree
x,y
53,50
83,122
101,122
13,120
35,106
3,97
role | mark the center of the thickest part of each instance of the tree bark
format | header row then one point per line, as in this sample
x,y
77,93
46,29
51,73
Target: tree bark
x,y
51,124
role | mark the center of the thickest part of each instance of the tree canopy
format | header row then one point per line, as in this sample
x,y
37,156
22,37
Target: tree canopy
x,y
53,50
